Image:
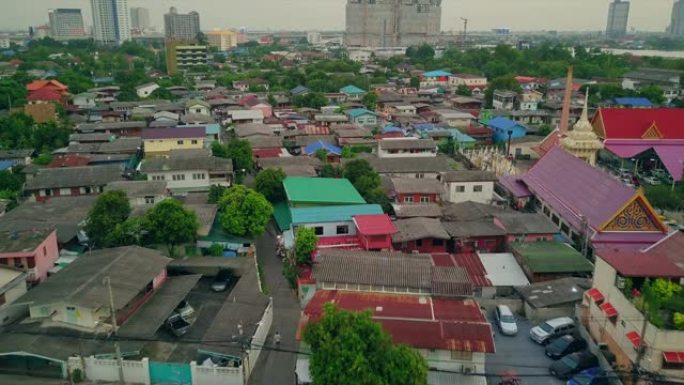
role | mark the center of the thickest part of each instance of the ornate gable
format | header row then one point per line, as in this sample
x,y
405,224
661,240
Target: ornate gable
x,y
636,215
652,132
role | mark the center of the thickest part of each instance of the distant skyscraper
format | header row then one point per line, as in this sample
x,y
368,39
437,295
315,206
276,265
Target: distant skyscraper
x,y
391,23
181,27
140,18
111,21
618,15
677,23
66,23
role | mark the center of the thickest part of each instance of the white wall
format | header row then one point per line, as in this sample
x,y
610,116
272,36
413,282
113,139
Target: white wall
x,y
407,154
135,372
330,228
259,339
10,312
188,182
58,313
215,376
485,196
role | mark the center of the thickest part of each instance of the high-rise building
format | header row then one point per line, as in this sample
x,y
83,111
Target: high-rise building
x,y
392,23
618,15
181,27
223,40
140,18
180,57
66,24
677,23
111,21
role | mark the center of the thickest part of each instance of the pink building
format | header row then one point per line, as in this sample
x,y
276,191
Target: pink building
x,y
33,251
375,231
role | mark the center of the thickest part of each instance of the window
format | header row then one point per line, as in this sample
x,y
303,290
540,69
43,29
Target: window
x,y
420,176
437,242
547,211
149,200
419,242
31,262
342,229
555,220
318,230
194,142
179,177
424,199
180,142
477,188
459,355
408,199
565,229
158,177
460,189
44,250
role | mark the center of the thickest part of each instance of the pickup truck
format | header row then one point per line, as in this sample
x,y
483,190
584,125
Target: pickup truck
x,y
177,324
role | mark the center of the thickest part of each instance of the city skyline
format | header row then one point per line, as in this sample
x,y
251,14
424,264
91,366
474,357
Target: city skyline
x,y
586,15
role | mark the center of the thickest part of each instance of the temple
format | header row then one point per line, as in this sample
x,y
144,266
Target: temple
x,y
582,142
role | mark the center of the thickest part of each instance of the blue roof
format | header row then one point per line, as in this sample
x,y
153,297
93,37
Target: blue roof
x,y
356,112
344,213
7,164
351,89
424,126
391,128
318,145
634,102
502,123
461,137
435,74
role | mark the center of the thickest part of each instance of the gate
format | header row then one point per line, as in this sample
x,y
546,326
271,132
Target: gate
x,y
170,373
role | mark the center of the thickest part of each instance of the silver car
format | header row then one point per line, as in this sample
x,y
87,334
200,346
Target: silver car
x,y
505,320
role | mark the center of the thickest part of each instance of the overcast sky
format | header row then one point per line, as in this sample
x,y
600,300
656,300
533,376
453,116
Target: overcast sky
x,y
649,15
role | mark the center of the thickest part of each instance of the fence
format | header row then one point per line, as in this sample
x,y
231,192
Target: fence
x,y
216,376
259,339
135,372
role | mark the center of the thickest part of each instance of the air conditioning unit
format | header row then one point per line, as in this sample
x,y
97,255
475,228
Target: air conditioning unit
x,y
620,282
468,369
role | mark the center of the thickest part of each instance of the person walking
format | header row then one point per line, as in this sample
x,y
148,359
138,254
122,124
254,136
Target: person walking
x,y
276,338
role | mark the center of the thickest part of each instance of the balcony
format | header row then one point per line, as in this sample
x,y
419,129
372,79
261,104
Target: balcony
x,y
660,300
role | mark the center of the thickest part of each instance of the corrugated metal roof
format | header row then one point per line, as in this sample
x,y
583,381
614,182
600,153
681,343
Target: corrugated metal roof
x,y
343,213
321,190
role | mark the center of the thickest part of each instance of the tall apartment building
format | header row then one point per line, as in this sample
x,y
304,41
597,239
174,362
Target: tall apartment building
x,y
223,40
677,23
181,27
391,23
111,21
180,57
66,24
618,16
140,18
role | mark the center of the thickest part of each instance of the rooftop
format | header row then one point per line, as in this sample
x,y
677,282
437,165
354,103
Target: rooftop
x,y
434,164
469,176
337,213
421,186
374,224
16,241
412,229
139,188
633,123
321,191
50,178
177,163
430,210
554,293
633,263
402,144
551,257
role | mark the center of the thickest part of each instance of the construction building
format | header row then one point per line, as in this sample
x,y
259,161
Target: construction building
x,y
392,23
182,57
223,40
66,24
618,15
140,18
183,27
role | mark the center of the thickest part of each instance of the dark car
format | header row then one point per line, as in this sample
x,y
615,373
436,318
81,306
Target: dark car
x,y
222,281
572,364
591,376
565,345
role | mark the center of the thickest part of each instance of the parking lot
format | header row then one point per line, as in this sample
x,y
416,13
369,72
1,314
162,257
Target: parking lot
x,y
521,354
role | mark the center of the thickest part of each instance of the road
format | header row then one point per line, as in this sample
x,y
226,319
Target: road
x,y
277,367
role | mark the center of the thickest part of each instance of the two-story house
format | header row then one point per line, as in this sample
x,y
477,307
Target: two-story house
x,y
416,191
469,185
504,100
141,192
362,117
183,173
159,141
436,78
352,93
476,83
199,107
71,181
33,251
406,148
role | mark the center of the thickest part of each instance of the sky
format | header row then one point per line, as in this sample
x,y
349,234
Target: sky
x,y
526,15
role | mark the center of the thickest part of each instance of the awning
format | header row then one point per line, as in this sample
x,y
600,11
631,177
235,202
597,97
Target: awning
x,y
670,154
673,357
608,310
634,338
595,294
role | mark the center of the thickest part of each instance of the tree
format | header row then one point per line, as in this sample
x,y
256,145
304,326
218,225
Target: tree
x,y
215,193
244,211
463,90
358,168
653,93
370,100
171,224
269,183
272,100
201,38
310,100
132,231
13,92
240,151
10,181
305,244
330,171
110,210
349,348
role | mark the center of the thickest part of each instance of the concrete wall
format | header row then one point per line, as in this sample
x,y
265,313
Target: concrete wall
x,y
484,196
259,340
330,228
515,304
544,314
59,312
165,145
189,180
8,311
216,376
135,372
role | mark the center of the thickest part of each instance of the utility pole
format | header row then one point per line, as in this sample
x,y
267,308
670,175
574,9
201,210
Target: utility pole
x,y
116,329
465,33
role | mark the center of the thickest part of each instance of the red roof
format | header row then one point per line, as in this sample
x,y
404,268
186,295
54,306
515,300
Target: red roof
x,y
45,94
552,140
69,161
420,322
267,152
608,309
673,357
634,338
374,224
671,246
39,84
595,294
473,265
634,263
633,123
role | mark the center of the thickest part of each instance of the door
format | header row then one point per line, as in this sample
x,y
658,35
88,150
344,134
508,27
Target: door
x,y
170,373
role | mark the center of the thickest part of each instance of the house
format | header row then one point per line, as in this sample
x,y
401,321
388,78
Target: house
x,y
51,85
614,312
548,260
140,192
22,157
266,146
362,117
45,96
667,80
631,102
505,129
374,231
146,90
184,173
12,286
241,85
412,210
406,148
33,251
477,84
420,167
198,107
504,100
454,118
244,116
291,165
492,274
478,235
469,185
437,78
525,227
552,299
84,100
416,191
332,152
78,296
529,100
308,192
426,235
299,91
352,93
159,141
246,130
71,181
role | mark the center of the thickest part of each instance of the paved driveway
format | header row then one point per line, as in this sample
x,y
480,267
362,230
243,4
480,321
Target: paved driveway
x,y
519,353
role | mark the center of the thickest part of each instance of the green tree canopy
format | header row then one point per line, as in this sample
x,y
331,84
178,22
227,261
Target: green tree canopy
x,y
269,183
171,224
110,210
244,211
349,348
463,90
310,100
305,244
370,100
240,151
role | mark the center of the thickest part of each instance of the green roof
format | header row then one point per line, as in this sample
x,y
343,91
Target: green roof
x,y
551,257
321,191
340,213
281,213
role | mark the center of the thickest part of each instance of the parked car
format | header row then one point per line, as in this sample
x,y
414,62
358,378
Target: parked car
x,y
653,181
177,324
572,364
185,309
556,327
222,280
591,376
505,320
565,345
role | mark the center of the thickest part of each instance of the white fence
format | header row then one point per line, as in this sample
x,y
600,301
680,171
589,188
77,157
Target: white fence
x,y
216,376
259,339
135,372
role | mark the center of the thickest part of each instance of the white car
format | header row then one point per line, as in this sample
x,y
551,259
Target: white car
x,y
653,181
551,329
505,320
